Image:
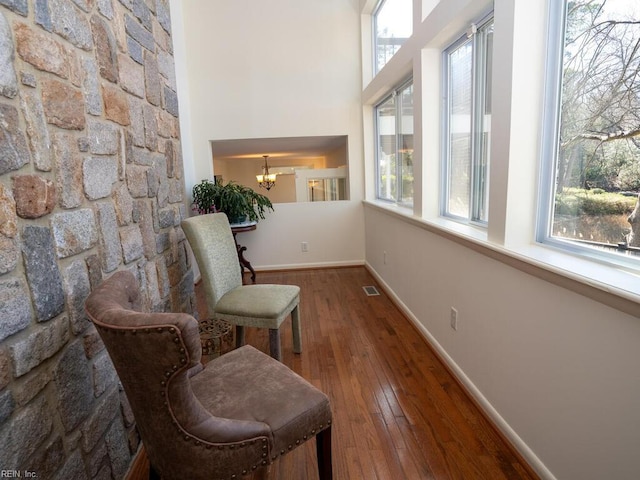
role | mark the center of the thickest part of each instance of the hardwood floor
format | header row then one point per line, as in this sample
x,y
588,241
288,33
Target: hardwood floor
x,y
398,413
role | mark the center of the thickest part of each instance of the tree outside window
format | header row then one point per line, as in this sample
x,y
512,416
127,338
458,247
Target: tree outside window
x,y
597,170
392,25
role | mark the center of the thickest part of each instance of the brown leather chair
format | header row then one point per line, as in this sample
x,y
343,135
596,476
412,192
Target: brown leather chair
x,y
229,418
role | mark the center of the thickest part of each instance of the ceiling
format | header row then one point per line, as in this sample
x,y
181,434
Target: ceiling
x,y
282,147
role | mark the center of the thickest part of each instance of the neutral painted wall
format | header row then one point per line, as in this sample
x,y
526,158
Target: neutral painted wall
x,y
282,68
559,369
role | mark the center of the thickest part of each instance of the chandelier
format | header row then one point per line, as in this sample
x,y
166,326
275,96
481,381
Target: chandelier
x,y
266,180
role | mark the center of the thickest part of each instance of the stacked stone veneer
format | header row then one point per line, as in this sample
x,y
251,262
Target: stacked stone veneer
x,y
90,183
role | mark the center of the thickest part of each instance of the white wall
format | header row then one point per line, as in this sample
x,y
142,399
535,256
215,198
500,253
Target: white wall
x,y
282,68
559,370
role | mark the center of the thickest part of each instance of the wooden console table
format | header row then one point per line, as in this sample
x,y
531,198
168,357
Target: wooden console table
x,y
244,263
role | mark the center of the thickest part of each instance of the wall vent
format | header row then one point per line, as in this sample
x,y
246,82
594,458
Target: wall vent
x,y
371,291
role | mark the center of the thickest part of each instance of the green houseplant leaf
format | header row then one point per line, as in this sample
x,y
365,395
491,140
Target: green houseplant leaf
x,y
237,201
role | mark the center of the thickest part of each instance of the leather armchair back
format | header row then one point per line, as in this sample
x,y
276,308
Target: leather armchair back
x,y
155,355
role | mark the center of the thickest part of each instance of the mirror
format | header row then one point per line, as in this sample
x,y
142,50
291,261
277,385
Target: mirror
x,y
296,161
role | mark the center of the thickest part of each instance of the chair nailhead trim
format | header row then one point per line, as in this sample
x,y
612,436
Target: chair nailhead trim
x,y
164,382
298,441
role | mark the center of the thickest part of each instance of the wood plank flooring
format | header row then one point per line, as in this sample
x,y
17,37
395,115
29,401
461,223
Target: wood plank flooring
x,y
398,413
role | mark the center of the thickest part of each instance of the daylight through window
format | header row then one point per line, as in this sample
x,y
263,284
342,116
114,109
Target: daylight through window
x,y
596,176
392,26
468,124
394,152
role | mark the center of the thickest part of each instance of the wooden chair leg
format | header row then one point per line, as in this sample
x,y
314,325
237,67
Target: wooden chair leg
x,y
239,336
153,475
295,327
323,449
274,343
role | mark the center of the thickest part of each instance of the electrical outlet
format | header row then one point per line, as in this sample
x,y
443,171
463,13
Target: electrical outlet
x,y
304,246
454,318
384,258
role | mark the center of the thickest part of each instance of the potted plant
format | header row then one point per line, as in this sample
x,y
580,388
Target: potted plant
x,y
238,202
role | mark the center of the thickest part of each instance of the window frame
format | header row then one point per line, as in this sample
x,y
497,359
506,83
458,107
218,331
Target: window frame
x,y
477,196
374,35
396,93
549,148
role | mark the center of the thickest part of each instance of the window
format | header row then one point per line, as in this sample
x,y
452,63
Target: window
x,y
467,86
591,144
394,152
392,25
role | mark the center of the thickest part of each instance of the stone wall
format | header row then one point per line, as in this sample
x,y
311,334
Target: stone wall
x,y
90,183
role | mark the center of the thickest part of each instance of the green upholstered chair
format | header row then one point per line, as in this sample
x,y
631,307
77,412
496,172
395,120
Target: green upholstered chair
x,y
263,306
231,417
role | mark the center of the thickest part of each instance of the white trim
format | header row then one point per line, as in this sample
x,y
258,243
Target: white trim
x,y
303,266
605,283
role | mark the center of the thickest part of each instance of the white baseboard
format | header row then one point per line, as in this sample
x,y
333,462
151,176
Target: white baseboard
x,y
295,266
304,266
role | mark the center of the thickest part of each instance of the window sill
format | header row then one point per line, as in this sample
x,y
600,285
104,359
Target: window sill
x,y
607,284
